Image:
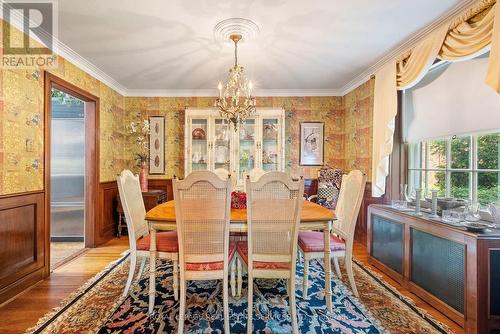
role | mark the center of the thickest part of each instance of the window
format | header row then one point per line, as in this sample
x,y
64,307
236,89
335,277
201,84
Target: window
x,y
465,167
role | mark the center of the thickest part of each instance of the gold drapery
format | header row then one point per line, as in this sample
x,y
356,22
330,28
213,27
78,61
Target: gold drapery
x,y
463,37
385,108
493,75
411,69
468,38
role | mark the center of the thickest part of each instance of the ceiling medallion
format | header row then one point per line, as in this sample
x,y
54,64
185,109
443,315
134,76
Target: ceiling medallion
x,y
247,29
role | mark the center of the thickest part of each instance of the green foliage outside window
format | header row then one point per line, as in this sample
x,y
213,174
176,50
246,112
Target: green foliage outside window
x,y
461,153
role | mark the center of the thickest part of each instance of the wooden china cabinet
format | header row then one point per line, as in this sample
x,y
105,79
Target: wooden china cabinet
x,y
211,142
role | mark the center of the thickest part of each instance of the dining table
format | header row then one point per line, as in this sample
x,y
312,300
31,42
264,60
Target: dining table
x,y
314,217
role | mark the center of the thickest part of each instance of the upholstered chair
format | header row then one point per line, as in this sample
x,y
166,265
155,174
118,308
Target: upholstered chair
x,y
311,245
202,210
274,205
138,231
329,183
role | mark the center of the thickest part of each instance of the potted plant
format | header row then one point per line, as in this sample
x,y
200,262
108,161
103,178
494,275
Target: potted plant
x,y
140,131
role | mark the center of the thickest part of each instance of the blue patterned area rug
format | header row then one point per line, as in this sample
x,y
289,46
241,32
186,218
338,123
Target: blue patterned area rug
x,y
97,307
204,311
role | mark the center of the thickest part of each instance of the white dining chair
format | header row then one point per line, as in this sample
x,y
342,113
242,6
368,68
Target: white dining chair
x,y
138,231
311,243
202,209
274,205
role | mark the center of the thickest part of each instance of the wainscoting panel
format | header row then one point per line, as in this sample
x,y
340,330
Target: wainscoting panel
x,y
22,242
360,234
162,184
107,217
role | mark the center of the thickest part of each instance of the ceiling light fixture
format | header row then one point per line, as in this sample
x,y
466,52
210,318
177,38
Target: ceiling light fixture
x,y
235,101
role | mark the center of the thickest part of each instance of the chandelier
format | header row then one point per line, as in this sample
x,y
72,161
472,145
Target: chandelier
x,y
235,101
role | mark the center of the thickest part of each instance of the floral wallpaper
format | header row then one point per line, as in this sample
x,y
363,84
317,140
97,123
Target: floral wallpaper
x,y
358,106
22,128
323,109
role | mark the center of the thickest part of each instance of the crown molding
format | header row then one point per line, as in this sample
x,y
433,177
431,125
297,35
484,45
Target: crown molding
x,y
214,92
405,46
64,51
85,65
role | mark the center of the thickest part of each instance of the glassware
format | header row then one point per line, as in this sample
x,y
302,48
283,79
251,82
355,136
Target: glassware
x,y
399,204
418,196
452,216
472,212
434,204
494,209
403,192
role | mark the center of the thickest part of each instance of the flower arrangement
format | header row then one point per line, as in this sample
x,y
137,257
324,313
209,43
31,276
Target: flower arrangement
x,y
140,130
238,200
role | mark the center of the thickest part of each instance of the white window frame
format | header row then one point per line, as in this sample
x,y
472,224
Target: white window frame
x,y
473,169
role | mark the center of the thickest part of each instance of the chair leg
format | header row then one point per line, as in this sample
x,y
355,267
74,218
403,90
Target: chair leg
x,y
293,309
176,279
131,272
305,282
337,267
182,305
226,304
233,278
250,304
141,269
348,266
240,278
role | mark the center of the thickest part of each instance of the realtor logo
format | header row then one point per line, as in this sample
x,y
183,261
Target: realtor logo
x,y
28,32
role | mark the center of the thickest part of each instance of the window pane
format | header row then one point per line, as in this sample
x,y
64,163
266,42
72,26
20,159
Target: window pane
x,y
437,181
460,185
415,180
488,151
488,187
416,156
460,152
437,154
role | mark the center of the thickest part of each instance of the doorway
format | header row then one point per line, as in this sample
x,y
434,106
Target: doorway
x,y
67,177
71,169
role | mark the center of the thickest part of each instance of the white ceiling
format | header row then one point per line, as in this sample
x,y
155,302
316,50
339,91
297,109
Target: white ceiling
x,y
156,45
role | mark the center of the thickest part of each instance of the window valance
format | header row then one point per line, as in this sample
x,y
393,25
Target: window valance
x,y
461,38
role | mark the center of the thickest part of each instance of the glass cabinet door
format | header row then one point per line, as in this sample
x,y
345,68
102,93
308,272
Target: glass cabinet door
x,y
270,144
247,146
222,144
199,144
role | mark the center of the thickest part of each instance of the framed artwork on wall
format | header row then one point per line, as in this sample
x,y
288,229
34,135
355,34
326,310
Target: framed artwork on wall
x,y
157,145
312,144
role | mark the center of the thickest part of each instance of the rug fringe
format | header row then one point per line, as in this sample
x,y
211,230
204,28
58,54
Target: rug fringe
x,y
81,290
423,313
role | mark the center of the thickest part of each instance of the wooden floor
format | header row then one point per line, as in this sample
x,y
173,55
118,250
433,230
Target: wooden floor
x,y
24,311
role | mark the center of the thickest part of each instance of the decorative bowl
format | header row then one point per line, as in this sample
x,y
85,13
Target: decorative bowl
x,y
475,226
198,133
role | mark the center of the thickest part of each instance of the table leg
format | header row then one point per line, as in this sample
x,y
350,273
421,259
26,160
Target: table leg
x,y
119,225
328,269
152,270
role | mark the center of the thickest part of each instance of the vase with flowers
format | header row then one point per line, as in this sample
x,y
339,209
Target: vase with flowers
x,y
140,132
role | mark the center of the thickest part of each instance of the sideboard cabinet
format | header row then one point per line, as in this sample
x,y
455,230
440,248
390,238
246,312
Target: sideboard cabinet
x,y
454,270
211,142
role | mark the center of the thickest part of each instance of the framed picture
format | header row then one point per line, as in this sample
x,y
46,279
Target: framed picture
x,y
156,145
312,144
